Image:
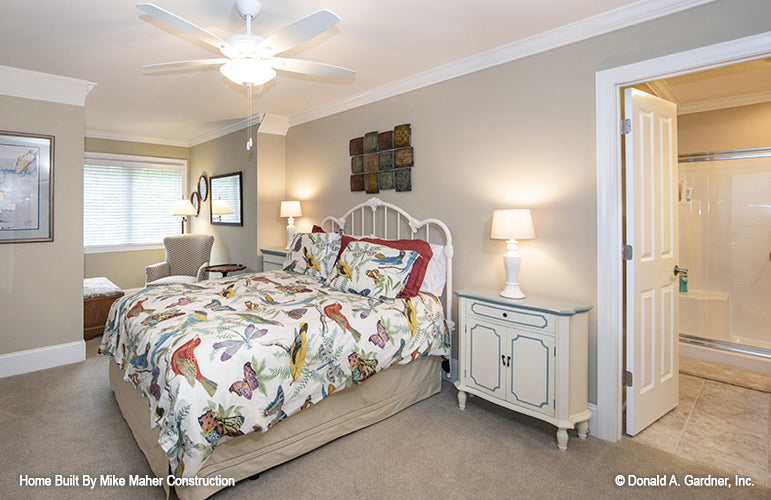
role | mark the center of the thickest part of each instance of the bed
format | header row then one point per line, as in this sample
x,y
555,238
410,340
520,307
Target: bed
x,y
222,379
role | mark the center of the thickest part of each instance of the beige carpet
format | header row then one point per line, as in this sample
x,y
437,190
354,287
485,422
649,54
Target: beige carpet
x,y
65,421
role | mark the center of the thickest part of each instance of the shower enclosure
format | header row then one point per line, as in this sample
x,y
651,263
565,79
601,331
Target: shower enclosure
x,y
725,243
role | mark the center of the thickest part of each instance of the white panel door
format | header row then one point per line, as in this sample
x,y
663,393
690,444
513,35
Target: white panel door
x,y
651,284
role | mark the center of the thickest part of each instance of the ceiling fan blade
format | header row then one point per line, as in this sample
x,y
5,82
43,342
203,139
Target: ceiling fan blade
x,y
182,25
310,67
298,32
189,64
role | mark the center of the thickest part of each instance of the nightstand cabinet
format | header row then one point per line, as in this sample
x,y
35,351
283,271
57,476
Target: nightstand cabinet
x,y
272,259
529,355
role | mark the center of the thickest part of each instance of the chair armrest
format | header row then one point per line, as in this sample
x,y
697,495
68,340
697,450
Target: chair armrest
x,y
202,273
156,271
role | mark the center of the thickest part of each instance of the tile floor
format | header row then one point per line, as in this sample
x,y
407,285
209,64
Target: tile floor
x,y
720,424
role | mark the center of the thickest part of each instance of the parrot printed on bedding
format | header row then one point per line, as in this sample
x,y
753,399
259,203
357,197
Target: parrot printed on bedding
x,y
223,358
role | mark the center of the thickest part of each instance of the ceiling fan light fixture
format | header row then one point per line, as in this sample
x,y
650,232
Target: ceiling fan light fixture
x,y
247,71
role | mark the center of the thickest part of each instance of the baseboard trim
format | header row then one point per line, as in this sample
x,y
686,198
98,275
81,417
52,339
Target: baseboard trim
x,y
32,360
593,419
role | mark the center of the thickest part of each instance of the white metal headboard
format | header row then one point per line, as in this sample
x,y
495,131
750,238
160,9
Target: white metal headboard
x,y
378,219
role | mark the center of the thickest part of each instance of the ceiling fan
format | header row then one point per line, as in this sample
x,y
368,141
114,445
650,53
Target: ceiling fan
x,y
251,59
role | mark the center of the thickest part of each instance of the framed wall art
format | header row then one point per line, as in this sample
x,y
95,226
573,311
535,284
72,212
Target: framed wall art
x,y
26,187
382,160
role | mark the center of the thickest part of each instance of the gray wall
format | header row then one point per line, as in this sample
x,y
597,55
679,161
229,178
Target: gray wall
x,y
521,134
41,287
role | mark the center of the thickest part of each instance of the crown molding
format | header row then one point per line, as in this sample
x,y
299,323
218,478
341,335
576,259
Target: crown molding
x,y
115,136
27,84
274,124
235,126
725,102
622,17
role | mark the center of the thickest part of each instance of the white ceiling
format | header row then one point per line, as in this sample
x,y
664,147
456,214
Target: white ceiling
x,y
386,42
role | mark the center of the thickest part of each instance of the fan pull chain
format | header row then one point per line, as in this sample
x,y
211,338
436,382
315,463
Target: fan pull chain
x,y
249,119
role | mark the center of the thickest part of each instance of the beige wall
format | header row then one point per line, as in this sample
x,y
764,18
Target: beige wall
x,y
271,190
521,134
743,127
228,154
41,287
127,269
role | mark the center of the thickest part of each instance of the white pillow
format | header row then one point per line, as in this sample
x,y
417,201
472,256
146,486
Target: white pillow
x,y
436,272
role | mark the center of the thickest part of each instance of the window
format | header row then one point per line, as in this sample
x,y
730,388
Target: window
x,y
127,201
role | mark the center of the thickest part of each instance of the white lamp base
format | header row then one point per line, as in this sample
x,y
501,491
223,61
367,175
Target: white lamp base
x,y
511,262
289,232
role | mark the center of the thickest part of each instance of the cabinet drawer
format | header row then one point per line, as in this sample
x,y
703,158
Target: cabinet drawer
x,y
533,319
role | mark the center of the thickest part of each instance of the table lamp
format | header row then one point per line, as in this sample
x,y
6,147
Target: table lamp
x,y
290,209
512,225
184,208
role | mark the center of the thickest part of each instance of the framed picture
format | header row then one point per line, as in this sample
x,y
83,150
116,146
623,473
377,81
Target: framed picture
x,y
26,187
226,193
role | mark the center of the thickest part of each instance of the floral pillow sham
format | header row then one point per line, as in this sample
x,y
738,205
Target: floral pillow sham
x,y
313,254
372,270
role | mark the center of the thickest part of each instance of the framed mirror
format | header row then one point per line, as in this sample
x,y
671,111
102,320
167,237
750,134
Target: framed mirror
x,y
196,202
226,193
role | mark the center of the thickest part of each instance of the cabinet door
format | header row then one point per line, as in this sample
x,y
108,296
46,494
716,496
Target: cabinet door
x,y
531,382
484,348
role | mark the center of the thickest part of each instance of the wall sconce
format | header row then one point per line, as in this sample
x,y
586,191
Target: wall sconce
x,y
220,207
290,209
512,225
184,208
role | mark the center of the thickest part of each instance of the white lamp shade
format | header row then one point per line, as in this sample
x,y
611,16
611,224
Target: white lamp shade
x,y
291,209
247,71
512,224
220,206
183,207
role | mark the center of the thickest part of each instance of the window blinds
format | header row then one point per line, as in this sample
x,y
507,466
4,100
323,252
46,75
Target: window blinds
x,y
128,205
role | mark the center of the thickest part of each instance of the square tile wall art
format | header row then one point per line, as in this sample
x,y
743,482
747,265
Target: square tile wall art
x,y
382,160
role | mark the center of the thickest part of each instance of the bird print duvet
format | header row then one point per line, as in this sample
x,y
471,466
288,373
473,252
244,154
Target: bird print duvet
x,y
222,358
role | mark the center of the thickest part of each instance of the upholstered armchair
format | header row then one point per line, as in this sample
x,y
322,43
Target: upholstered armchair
x,y
187,257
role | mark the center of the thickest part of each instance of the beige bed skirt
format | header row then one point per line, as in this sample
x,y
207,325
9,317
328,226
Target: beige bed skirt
x,y
385,394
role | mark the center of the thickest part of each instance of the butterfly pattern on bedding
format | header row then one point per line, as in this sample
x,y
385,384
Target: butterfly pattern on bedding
x,y
226,357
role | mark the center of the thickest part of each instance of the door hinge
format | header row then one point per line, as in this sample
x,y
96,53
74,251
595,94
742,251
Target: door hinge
x,y
626,126
627,379
627,252
555,351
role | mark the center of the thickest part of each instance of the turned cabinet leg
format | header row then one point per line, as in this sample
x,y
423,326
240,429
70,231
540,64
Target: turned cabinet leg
x,y
582,429
562,439
461,400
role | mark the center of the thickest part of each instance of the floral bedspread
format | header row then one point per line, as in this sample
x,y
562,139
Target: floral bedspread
x,y
227,357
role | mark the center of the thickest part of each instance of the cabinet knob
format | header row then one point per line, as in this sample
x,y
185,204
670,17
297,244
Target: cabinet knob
x,y
505,315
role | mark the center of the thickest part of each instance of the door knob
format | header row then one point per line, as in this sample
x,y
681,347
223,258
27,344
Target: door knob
x,y
679,270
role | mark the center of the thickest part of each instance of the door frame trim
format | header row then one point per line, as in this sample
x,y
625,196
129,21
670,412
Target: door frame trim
x,y
610,209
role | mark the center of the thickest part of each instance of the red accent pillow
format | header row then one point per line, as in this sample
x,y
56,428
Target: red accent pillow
x,y
412,287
